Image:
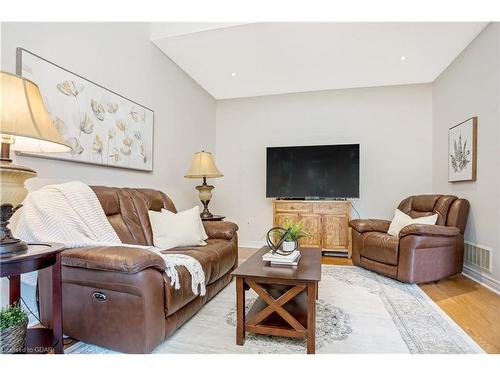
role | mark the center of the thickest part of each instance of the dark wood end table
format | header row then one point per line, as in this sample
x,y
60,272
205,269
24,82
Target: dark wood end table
x,y
213,218
38,256
287,297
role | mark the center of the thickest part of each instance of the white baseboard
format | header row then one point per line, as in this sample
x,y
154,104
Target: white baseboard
x,y
485,280
251,244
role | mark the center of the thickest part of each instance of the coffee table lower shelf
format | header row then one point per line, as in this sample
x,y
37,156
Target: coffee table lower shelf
x,y
283,308
274,324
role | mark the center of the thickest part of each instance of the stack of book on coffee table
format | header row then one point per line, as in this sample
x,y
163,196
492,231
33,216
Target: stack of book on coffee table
x,y
290,260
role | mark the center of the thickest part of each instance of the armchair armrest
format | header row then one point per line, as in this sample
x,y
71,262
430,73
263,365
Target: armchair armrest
x,y
122,259
223,230
429,230
370,225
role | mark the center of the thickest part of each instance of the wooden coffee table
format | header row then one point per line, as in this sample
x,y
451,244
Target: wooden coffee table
x,y
287,297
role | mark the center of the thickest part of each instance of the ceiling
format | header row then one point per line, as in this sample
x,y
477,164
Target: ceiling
x,y
253,59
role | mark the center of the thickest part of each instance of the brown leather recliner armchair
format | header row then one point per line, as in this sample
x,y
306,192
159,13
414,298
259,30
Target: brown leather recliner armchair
x,y
119,297
422,253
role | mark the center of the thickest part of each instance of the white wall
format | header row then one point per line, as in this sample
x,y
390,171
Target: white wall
x,y
392,124
121,57
470,87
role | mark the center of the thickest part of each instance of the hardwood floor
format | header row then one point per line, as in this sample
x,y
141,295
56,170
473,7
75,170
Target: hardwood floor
x,y
337,261
473,307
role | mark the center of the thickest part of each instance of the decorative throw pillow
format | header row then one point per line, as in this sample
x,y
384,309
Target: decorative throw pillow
x,y
180,229
401,220
203,234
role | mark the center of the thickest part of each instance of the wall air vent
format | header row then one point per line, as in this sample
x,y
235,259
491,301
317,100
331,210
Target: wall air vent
x,y
478,255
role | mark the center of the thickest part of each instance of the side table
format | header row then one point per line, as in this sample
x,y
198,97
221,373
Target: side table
x,y
38,256
213,218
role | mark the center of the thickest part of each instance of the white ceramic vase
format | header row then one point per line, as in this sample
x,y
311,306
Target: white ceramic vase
x,y
288,245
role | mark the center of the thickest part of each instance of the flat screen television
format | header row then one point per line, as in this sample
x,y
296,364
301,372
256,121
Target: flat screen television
x,y
314,172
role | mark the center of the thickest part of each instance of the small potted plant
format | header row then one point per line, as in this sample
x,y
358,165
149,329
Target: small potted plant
x,y
291,233
13,326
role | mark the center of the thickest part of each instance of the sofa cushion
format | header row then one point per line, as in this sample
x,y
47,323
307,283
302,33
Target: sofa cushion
x,y
217,258
121,259
127,211
176,299
380,247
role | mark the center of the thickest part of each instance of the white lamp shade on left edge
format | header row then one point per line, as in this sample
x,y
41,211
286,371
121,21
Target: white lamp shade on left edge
x,y
25,125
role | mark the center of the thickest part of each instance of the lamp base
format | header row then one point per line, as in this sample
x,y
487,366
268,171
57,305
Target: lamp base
x,y
12,193
205,195
206,214
9,245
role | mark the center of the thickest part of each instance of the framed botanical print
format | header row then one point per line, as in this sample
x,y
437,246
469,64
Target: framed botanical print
x,y
462,151
101,126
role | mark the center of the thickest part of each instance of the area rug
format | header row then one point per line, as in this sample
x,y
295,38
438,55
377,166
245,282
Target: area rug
x,y
358,311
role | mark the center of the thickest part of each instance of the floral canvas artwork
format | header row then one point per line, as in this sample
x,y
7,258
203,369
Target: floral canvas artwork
x,y
100,125
462,151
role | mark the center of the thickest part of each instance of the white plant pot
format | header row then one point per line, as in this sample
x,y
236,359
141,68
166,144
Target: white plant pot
x,y
288,245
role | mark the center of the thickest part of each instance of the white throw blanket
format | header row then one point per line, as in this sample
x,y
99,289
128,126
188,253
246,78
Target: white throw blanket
x,y
71,214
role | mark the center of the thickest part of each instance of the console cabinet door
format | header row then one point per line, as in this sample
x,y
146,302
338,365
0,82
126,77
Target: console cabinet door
x,y
312,225
279,218
335,232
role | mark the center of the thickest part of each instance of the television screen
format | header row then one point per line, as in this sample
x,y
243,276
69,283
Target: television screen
x,y
313,172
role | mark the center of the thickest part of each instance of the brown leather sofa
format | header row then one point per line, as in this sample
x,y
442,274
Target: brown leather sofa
x,y
422,253
119,297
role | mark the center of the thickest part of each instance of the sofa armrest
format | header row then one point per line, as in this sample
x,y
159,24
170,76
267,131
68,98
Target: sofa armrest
x,y
429,230
223,230
122,259
370,225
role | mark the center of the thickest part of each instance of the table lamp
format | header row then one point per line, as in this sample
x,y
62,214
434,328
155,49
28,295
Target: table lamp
x,y
203,166
25,125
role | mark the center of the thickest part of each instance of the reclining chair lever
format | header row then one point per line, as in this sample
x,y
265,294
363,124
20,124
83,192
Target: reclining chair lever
x,y
101,297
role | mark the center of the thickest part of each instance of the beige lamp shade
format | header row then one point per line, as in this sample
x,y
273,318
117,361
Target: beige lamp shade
x,y
24,121
203,165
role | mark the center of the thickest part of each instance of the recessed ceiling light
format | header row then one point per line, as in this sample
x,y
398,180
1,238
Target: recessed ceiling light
x,y
233,74
403,58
